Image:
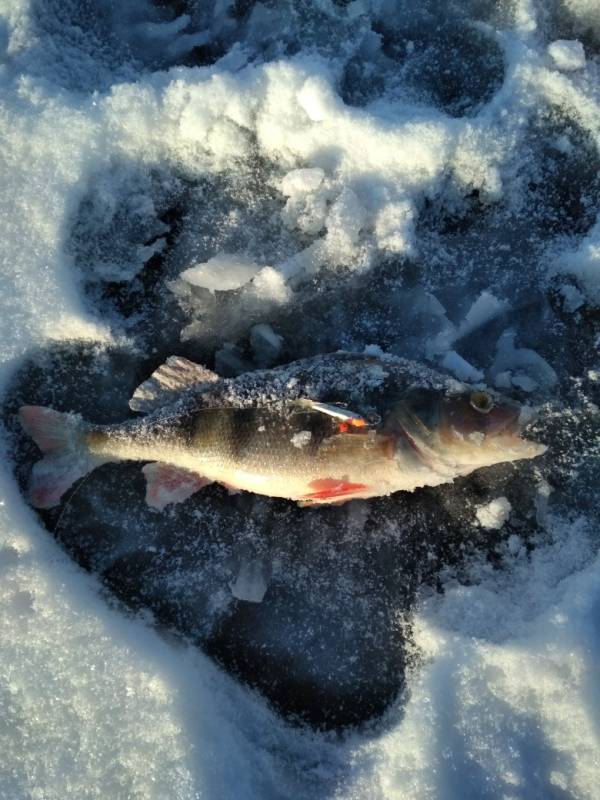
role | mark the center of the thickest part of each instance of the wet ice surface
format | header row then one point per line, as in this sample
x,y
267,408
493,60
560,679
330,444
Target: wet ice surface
x,y
354,175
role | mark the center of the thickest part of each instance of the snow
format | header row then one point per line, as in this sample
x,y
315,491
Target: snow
x,y
307,148
567,55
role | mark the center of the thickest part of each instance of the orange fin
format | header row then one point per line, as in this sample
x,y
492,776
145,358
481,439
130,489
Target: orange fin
x,y
326,488
166,484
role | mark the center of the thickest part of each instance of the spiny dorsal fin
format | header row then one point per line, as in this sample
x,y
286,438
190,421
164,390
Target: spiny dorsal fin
x,y
172,378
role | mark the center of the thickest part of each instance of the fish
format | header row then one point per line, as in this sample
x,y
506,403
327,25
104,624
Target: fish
x,y
325,430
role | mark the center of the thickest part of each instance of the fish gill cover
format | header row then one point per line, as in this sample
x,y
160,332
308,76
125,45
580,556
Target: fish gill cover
x,y
244,184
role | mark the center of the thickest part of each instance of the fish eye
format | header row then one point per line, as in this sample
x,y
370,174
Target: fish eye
x,y
482,402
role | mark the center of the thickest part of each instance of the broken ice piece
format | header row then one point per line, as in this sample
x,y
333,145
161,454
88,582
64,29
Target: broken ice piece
x,y
524,382
250,583
223,272
541,502
522,363
266,345
494,514
460,368
503,380
484,309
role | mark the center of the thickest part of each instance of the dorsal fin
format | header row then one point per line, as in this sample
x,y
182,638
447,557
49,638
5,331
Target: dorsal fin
x,y
172,378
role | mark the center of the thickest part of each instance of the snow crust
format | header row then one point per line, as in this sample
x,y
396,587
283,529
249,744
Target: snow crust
x,y
502,698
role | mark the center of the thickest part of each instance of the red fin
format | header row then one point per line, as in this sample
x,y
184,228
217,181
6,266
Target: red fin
x,y
66,460
166,484
324,488
53,475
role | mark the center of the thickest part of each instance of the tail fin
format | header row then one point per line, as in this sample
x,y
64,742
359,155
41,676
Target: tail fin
x,y
66,458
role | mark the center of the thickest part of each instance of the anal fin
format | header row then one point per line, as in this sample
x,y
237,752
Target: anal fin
x,y
166,484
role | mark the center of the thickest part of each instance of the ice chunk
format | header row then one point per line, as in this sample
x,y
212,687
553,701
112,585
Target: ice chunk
x,y
494,514
484,309
541,502
503,380
460,368
225,271
532,371
524,382
250,584
567,54
584,264
265,344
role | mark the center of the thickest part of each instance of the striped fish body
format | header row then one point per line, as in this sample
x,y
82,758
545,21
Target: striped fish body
x,y
287,432
285,451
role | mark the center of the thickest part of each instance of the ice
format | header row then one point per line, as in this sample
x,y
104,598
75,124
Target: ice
x,y
250,583
266,345
567,55
460,368
542,502
484,309
533,370
494,514
584,264
223,272
378,175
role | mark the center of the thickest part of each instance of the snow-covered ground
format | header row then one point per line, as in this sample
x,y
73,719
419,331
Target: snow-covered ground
x,y
247,183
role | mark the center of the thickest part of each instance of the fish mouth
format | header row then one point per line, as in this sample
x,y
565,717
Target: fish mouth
x,y
508,429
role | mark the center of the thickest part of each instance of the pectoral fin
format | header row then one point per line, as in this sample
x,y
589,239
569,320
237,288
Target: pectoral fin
x,y
166,484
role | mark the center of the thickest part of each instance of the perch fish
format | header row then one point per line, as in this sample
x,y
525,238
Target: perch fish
x,y
393,426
